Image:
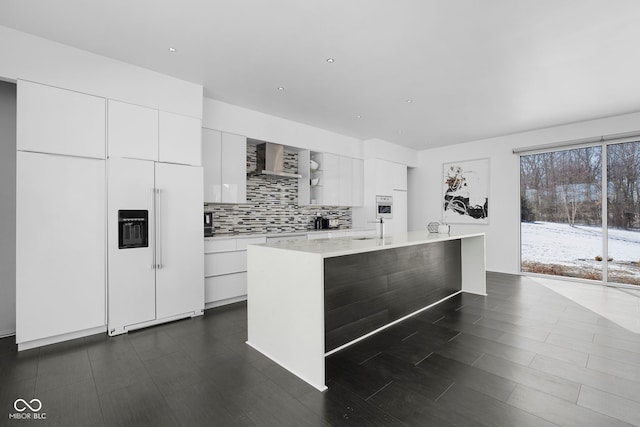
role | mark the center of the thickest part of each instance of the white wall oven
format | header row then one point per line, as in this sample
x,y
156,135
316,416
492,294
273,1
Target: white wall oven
x,y
384,207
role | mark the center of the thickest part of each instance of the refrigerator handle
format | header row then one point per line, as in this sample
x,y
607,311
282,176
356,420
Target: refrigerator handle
x,y
158,228
153,252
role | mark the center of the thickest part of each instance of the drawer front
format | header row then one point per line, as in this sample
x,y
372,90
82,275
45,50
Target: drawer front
x,y
225,245
225,263
242,243
225,287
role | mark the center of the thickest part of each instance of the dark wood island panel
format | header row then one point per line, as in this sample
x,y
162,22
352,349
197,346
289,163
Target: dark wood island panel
x,y
365,291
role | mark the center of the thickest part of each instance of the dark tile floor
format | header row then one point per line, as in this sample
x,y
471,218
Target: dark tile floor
x,y
522,356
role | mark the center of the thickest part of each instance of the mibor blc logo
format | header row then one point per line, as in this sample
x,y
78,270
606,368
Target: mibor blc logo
x,y
28,410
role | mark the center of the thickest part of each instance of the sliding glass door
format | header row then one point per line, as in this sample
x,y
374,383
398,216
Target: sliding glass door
x,y
623,213
561,219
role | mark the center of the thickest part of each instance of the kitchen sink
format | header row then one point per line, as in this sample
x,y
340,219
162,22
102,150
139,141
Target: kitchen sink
x,y
365,238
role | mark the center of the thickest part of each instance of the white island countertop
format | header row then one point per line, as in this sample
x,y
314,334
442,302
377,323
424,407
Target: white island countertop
x,y
328,248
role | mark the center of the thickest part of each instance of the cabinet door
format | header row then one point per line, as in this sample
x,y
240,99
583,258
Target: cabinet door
x,y
179,139
234,168
304,182
59,121
132,278
398,176
179,240
133,131
60,245
357,180
346,181
331,175
212,165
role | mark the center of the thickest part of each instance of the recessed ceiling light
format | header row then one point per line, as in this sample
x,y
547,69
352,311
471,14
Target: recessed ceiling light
x,y
172,49
409,101
358,116
280,88
331,60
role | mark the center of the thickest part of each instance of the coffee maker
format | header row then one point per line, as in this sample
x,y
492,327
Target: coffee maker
x,y
208,224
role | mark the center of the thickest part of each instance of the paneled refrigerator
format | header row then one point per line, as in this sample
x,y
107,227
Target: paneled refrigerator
x,y
155,243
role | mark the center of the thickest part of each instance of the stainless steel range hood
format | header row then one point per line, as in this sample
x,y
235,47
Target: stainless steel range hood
x,y
270,160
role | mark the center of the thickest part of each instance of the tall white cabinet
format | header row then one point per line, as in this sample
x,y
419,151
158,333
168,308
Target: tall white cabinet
x,y
60,209
384,178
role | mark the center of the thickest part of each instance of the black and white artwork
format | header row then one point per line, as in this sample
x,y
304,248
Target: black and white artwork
x,y
466,192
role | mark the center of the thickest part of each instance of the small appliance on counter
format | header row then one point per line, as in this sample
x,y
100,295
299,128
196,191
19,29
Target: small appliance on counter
x,y
208,224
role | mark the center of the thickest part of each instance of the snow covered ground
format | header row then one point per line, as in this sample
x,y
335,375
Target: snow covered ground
x,y
577,247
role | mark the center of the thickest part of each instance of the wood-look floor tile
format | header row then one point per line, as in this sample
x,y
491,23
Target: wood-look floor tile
x,y
557,411
549,383
487,410
619,386
610,404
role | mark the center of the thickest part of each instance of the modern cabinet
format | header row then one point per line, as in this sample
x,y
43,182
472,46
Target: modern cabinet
x,y
333,180
60,121
226,269
60,247
138,132
389,179
179,139
345,186
161,280
132,131
357,182
224,158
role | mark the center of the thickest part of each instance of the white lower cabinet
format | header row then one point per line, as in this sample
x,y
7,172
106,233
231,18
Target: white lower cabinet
x,y
225,269
60,248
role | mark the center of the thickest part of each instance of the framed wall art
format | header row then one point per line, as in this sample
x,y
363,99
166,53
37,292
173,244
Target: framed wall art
x,y
465,197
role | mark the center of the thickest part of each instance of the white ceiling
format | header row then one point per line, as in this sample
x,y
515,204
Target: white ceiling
x,y
473,69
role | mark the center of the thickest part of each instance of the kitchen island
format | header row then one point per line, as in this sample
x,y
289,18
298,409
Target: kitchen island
x,y
309,299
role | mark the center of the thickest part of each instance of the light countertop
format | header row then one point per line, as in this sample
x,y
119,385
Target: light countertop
x,y
221,236
327,248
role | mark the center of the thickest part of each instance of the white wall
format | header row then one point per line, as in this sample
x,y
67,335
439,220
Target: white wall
x,y
7,208
502,234
33,58
253,124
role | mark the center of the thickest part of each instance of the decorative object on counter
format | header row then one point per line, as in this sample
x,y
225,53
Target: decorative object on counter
x,y
313,165
444,228
334,223
432,227
466,192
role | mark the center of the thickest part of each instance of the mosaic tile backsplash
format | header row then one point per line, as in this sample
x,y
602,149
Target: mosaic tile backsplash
x,y
272,204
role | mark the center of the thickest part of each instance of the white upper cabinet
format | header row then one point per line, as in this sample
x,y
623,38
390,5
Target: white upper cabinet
x,y
132,131
224,159
331,175
357,182
234,168
389,176
179,139
212,165
346,181
59,121
330,179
